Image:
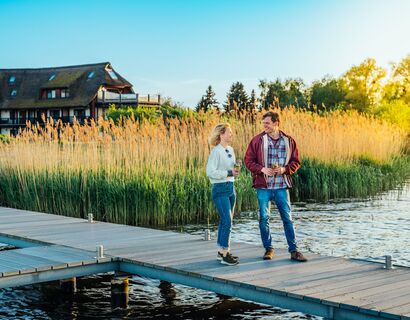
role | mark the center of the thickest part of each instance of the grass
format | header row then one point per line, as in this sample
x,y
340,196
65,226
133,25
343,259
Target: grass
x,y
153,173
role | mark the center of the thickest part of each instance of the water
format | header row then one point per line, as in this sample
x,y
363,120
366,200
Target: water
x,y
359,229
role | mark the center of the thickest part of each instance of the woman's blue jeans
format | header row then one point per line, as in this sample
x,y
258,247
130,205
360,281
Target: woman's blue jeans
x,y
223,195
282,201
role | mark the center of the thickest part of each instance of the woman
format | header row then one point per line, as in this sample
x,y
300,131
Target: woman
x,y
221,172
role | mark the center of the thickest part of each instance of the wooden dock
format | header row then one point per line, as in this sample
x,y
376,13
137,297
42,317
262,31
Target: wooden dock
x,y
54,247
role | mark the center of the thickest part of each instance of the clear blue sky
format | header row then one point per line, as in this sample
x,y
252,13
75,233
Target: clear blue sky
x,y
177,48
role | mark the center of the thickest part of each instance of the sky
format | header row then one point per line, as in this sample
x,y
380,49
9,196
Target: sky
x,y
178,48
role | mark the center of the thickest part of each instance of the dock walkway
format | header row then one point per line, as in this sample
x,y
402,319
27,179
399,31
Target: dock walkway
x,y
55,247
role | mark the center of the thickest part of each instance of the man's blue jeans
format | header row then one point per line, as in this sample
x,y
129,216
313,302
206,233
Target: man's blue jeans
x,y
282,201
223,195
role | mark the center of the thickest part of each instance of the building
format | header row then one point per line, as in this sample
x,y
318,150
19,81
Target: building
x,y
83,92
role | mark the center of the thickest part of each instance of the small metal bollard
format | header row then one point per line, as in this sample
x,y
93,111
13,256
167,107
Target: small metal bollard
x,y
90,218
100,251
388,263
207,235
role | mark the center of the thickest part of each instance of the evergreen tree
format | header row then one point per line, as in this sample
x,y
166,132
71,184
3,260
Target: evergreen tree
x,y
208,101
253,102
237,99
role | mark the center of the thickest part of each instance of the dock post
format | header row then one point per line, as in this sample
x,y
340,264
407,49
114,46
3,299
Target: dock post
x,y
207,233
119,292
167,292
68,285
388,263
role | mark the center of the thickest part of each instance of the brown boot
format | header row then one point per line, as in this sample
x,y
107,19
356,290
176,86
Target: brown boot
x,y
269,254
297,256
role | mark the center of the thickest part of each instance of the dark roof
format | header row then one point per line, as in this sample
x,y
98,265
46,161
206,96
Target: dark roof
x,y
30,82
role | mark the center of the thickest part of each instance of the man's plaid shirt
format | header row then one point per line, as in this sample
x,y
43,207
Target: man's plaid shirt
x,y
276,155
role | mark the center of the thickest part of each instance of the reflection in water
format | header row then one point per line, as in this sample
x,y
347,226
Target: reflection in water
x,y
360,229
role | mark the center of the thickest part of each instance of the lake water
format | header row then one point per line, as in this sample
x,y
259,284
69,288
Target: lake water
x,y
355,228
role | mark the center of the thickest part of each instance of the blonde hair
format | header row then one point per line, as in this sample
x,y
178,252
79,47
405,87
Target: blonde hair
x,y
215,137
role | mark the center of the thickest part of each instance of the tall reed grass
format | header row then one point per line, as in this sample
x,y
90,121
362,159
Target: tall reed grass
x,y
152,173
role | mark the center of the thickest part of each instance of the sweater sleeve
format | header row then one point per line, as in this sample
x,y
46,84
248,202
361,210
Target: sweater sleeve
x,y
212,170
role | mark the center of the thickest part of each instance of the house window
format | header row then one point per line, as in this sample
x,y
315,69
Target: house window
x,y
112,74
65,93
12,79
51,94
79,113
55,114
51,77
13,93
91,74
55,93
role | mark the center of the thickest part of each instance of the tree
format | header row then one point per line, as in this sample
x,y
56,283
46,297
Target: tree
x,y
207,101
282,94
237,99
253,102
294,89
327,93
395,105
398,87
363,85
271,92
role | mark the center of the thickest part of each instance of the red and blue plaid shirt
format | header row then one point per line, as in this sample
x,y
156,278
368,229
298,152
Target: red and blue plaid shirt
x,y
276,155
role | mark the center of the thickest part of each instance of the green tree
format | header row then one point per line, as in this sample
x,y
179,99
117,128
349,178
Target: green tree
x,y
398,87
253,102
282,94
363,84
208,101
327,93
271,93
395,106
237,99
294,89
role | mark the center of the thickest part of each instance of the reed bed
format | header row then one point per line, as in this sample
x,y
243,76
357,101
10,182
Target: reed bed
x,y
152,173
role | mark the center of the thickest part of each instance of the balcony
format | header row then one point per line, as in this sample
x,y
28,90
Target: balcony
x,y
154,99
124,98
112,97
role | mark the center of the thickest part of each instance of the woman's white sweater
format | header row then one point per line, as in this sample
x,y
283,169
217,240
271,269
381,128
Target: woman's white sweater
x,y
219,163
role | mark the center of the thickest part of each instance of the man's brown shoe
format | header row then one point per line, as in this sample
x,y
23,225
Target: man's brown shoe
x,y
297,256
269,254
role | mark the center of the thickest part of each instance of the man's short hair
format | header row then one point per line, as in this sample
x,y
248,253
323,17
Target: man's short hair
x,y
273,115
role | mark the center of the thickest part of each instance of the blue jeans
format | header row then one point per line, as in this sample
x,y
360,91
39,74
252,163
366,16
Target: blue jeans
x,y
223,195
282,201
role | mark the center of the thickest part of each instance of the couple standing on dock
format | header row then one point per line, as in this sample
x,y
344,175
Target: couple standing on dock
x,y
272,156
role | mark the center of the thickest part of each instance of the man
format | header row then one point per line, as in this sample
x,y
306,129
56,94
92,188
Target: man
x,y
272,157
